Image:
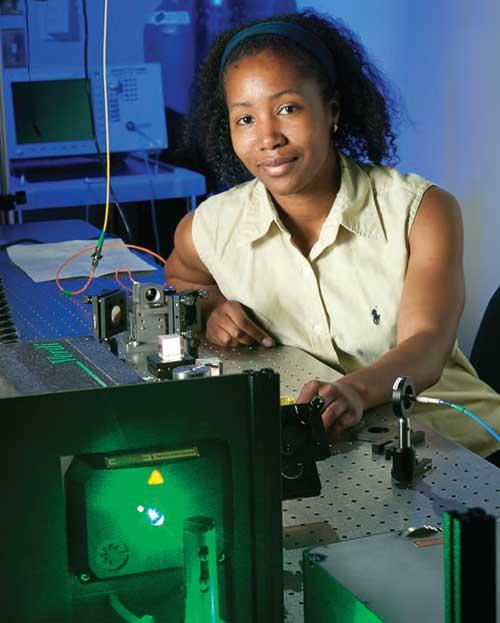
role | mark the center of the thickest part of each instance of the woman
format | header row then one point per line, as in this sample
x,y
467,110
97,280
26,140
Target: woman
x,y
332,252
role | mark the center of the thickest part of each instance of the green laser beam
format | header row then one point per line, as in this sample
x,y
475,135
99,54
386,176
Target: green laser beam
x,y
90,373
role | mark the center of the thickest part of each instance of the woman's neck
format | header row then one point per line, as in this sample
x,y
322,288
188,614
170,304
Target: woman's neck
x,y
310,207
303,214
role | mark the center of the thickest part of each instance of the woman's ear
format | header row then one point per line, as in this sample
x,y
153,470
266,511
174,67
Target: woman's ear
x,y
334,104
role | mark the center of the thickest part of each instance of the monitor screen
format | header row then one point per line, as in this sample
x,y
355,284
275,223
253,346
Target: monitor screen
x,y
51,111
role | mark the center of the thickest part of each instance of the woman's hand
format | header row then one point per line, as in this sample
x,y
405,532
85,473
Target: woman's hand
x,y
343,405
229,325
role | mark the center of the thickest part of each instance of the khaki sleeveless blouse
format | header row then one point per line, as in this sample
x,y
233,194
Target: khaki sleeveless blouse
x,y
341,303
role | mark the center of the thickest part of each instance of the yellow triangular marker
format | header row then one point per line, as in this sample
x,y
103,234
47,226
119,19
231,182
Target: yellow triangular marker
x,y
155,478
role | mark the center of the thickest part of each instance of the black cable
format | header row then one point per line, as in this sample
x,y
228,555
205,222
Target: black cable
x,y
8,331
28,50
91,106
86,67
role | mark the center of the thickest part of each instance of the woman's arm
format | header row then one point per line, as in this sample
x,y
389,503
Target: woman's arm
x,y
431,305
184,270
226,322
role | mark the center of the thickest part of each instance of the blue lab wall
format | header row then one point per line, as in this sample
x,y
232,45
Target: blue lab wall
x,y
443,58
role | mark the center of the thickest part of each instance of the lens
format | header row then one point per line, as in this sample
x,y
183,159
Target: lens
x,y
152,295
116,315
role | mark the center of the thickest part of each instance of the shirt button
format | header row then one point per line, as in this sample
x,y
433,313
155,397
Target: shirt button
x,y
306,271
317,328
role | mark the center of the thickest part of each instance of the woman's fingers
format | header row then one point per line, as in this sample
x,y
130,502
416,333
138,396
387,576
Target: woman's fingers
x,y
228,325
343,406
247,329
314,388
334,411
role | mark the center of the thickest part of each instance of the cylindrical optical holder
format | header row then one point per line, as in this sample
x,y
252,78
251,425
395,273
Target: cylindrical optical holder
x,y
200,570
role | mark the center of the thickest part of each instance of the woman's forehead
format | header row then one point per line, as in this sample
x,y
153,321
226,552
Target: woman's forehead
x,y
265,69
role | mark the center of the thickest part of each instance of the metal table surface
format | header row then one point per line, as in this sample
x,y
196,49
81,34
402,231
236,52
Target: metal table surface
x,y
358,496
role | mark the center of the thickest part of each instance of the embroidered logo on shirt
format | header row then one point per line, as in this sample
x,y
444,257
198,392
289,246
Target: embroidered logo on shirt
x,y
375,316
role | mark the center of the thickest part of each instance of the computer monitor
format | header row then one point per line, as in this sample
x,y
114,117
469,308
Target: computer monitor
x,y
61,113
143,497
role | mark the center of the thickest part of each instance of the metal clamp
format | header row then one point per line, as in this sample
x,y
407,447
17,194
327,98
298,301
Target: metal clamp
x,y
406,468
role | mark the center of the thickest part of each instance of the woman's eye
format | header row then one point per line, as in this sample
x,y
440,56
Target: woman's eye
x,y
245,120
287,109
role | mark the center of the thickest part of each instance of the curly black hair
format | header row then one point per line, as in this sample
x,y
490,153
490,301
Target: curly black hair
x,y
368,109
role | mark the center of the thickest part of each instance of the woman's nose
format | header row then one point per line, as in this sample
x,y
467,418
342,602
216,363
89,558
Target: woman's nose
x,y
270,135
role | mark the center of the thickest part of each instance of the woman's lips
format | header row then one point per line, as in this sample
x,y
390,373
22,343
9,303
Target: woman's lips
x,y
277,166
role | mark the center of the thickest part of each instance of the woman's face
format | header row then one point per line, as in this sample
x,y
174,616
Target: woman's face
x,y
280,124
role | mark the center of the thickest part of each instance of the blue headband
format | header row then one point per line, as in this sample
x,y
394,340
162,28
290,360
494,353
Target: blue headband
x,y
305,38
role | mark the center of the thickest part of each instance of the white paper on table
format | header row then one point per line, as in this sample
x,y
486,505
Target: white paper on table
x,y
41,261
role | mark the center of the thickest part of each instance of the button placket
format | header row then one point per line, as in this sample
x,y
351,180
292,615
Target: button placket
x,y
317,322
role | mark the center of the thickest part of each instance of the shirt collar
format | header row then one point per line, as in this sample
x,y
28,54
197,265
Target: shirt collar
x,y
354,208
258,216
